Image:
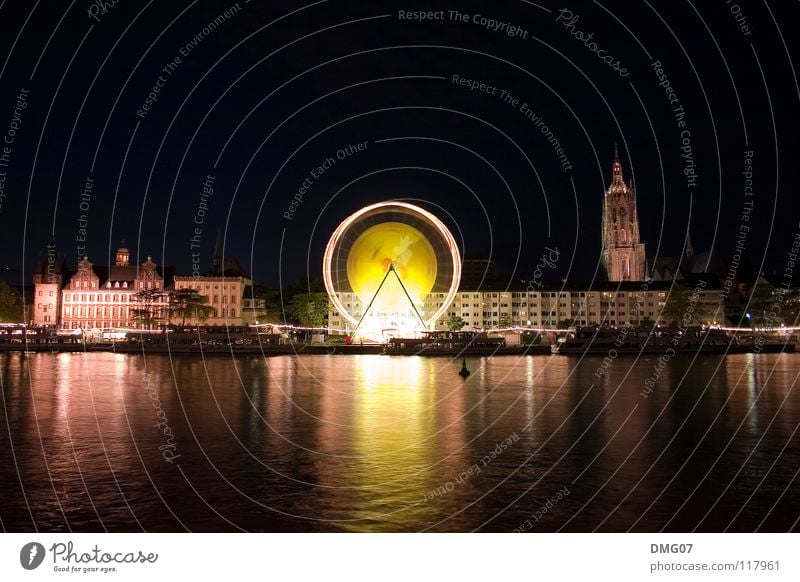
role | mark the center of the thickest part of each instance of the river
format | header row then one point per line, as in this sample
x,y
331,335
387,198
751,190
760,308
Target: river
x,y
112,442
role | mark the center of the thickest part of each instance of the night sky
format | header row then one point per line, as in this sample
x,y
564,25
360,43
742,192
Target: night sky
x,y
254,97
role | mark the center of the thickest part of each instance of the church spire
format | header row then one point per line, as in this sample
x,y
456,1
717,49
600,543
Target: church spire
x,y
689,250
616,169
219,260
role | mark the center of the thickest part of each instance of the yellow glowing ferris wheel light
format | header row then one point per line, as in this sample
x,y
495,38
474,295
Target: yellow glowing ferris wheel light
x,y
399,245
380,241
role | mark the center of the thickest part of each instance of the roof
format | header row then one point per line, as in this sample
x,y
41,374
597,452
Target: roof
x,y
123,274
710,282
669,268
231,267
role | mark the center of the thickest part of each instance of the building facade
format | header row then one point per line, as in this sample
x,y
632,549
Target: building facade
x,y
623,253
229,290
128,296
557,306
108,297
48,277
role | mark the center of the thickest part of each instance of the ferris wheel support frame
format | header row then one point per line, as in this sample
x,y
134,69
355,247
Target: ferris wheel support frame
x,y
371,301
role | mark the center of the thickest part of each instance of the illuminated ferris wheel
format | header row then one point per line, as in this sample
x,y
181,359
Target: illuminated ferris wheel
x,y
391,266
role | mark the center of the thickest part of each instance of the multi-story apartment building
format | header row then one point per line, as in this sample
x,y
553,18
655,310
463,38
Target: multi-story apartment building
x,y
616,304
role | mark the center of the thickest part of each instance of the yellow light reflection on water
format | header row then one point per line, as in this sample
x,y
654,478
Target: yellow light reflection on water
x,y
394,416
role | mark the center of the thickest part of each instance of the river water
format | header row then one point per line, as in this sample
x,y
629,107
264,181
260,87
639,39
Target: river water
x,y
111,442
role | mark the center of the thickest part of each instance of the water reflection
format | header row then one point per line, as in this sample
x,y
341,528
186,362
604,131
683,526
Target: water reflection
x,y
376,443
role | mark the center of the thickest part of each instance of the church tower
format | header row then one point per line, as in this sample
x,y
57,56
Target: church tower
x,y
623,252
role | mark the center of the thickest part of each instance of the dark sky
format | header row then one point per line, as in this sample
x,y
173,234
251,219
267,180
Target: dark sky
x,y
263,97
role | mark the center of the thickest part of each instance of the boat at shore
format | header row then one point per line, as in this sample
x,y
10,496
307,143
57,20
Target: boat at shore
x,y
458,343
600,340
249,341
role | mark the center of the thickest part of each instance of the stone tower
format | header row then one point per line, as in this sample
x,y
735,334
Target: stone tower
x,y
623,252
47,281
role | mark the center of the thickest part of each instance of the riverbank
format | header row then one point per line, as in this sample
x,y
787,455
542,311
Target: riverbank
x,y
270,349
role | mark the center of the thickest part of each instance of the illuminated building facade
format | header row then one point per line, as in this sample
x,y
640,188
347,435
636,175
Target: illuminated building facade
x,y
48,277
105,297
612,304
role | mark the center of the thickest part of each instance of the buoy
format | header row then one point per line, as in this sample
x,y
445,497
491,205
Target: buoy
x,y
464,372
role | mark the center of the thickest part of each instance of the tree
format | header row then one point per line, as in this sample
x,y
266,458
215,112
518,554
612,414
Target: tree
x,y
647,323
790,310
504,321
300,287
11,308
188,303
149,307
682,308
565,323
762,302
309,309
455,323
272,304
529,338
